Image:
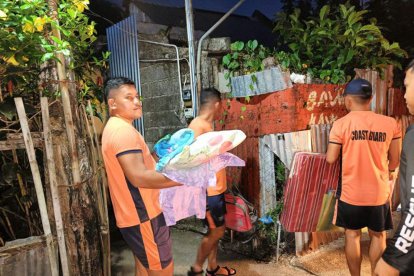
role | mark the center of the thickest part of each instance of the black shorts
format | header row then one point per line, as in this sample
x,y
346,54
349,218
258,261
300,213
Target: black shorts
x,y
376,218
216,209
150,242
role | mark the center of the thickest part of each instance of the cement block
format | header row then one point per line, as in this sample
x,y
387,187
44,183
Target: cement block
x,y
163,103
161,88
222,83
162,119
160,71
217,45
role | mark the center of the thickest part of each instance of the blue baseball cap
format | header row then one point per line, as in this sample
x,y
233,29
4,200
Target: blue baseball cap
x,y
359,87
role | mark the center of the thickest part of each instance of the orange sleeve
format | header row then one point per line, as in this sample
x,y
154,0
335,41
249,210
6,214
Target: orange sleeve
x,y
397,130
335,136
126,140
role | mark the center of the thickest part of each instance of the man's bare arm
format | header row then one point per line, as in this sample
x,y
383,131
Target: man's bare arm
x,y
134,169
394,154
333,153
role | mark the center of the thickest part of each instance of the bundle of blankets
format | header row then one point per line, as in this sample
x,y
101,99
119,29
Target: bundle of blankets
x,y
193,163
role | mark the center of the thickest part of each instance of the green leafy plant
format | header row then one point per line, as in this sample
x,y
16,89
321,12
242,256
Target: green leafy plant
x,y
268,231
28,43
28,49
245,58
330,45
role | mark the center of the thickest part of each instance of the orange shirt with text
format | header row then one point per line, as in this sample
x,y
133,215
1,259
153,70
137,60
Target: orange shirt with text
x,y
365,138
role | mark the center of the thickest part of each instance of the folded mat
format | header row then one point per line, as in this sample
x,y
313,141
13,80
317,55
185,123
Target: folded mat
x,y
311,177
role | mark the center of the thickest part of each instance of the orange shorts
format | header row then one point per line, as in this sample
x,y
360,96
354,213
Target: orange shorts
x,y
150,242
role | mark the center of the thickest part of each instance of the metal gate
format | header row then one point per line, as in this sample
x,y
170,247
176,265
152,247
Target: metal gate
x,y
124,59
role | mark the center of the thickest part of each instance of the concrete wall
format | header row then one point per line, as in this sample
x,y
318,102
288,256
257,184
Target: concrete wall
x,y
162,108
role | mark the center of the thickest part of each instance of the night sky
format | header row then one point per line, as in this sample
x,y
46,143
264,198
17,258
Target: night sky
x,y
267,7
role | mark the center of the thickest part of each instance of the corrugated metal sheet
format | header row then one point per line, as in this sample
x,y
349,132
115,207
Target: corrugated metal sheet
x,y
314,140
25,257
320,137
267,81
286,144
268,183
380,87
124,59
396,103
302,242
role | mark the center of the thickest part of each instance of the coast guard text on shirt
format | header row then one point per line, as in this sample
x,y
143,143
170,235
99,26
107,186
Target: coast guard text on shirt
x,y
369,135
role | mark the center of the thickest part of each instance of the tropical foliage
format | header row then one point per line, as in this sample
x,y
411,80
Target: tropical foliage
x,y
28,43
335,42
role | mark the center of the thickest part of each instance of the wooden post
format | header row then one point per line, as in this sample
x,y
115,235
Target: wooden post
x,y
38,185
53,186
100,192
64,89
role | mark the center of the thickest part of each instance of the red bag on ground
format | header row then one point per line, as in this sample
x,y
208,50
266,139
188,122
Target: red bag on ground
x,y
239,212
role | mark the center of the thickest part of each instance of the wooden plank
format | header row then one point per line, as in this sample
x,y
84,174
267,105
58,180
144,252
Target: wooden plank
x,y
102,197
53,186
99,191
19,144
38,184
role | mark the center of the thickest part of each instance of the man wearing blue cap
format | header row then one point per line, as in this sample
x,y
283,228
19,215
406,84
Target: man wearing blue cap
x,y
369,146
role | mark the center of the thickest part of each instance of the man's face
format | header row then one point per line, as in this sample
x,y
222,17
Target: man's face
x,y
409,90
125,103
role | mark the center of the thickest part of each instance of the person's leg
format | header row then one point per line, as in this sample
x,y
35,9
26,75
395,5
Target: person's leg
x,y
377,247
167,271
212,257
353,251
140,270
208,244
218,216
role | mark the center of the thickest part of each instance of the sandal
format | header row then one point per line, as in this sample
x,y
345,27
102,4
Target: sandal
x,y
214,272
191,272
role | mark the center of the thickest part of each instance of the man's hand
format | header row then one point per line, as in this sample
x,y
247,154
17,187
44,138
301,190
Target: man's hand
x,y
384,269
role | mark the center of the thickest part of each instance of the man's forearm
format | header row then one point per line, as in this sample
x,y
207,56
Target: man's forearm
x,y
152,180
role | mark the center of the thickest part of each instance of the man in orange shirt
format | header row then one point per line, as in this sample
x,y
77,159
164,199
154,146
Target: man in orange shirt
x,y
370,146
216,206
134,184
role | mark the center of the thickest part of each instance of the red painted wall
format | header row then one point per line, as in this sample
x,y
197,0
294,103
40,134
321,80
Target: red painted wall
x,y
280,112
283,111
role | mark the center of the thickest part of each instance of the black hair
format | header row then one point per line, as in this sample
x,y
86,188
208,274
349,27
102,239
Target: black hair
x,y
361,99
115,83
366,92
410,66
209,95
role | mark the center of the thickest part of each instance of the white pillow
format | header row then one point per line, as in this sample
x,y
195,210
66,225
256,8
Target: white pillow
x,y
205,147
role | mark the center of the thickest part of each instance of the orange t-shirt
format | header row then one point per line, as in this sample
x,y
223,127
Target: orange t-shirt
x,y
365,138
132,206
200,126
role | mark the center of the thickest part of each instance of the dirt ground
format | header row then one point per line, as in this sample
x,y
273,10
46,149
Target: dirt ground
x,y
329,260
185,245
